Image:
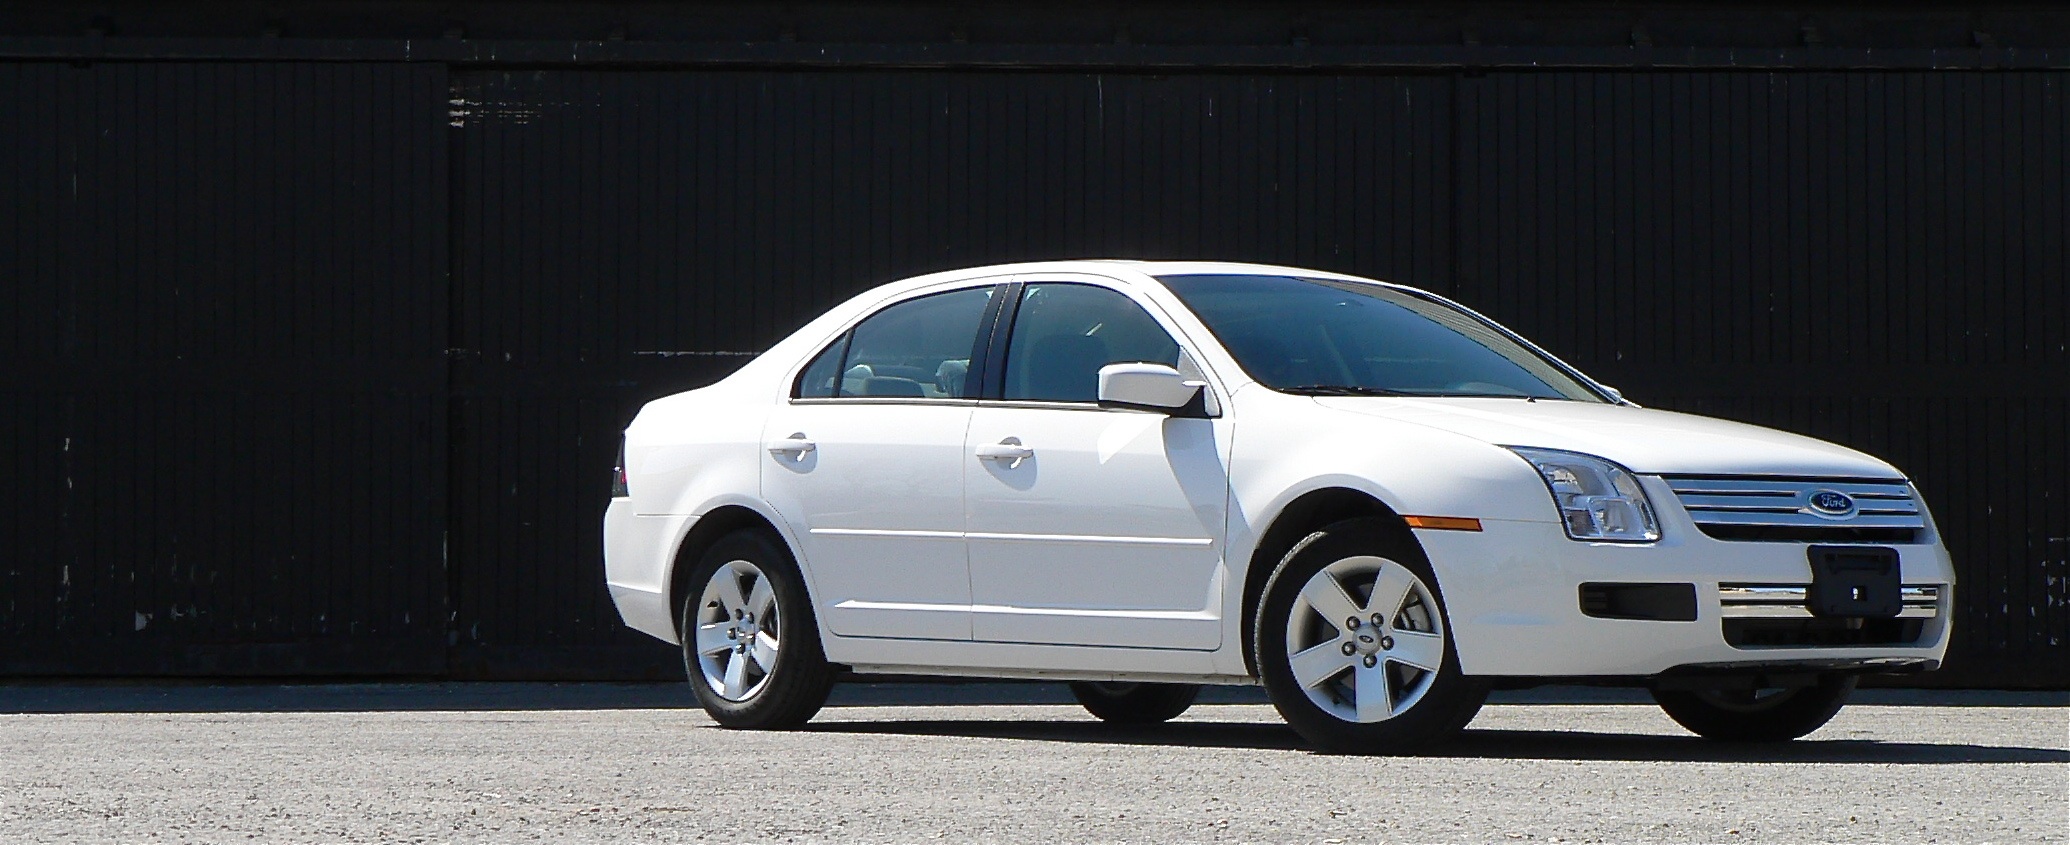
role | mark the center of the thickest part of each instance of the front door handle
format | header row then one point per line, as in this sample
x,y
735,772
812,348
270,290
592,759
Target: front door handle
x,y
796,446
1009,449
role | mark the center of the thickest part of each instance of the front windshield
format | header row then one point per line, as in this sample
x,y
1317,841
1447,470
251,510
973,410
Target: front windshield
x,y
1335,338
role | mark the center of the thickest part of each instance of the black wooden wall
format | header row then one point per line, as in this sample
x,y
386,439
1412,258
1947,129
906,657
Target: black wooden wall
x,y
222,310
317,367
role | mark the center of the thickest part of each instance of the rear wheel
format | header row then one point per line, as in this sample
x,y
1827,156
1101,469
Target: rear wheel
x,y
1135,703
750,641
1757,715
1353,644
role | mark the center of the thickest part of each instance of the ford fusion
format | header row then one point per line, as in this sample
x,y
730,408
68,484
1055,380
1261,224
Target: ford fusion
x,y
1143,477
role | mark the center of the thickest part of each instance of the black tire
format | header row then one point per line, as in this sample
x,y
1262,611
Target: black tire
x,y
782,695
1135,703
1443,701
1776,715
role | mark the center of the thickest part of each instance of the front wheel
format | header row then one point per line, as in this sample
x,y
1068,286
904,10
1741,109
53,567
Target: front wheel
x,y
1134,703
1353,644
1757,715
750,641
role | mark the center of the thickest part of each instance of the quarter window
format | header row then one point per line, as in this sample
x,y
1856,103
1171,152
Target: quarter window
x,y
1064,333
821,378
916,349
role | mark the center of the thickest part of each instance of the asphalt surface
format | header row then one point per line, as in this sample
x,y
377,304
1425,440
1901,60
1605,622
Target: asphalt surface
x,y
897,763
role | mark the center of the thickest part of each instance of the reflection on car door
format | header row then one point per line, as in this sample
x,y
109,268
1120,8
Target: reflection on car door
x,y
866,462
1087,526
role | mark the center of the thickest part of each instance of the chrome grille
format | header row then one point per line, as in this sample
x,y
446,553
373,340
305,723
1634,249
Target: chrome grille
x,y
1754,508
1920,601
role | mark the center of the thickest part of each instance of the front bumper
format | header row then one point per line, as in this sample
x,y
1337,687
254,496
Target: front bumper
x,y
1512,592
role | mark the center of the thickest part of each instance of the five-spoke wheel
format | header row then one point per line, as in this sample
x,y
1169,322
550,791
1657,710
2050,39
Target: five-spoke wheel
x,y
1365,640
737,630
749,638
1352,644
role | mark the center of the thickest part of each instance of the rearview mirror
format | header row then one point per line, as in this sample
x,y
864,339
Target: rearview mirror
x,y
1151,387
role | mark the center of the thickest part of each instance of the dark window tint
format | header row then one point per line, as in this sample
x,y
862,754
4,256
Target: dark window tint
x,y
1327,337
821,378
918,349
1064,333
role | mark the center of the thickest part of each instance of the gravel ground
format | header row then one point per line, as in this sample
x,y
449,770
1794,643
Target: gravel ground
x,y
601,763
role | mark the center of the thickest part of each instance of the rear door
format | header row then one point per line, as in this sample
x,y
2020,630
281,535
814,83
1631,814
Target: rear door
x,y
865,461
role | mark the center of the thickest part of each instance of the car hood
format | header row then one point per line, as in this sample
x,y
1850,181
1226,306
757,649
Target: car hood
x,y
1643,440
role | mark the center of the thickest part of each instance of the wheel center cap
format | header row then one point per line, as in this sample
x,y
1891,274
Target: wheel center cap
x,y
1367,641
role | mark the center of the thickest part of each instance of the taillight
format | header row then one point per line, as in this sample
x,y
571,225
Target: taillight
x,y
618,488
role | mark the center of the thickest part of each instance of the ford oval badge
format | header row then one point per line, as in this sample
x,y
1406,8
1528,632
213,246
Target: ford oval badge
x,y
1832,502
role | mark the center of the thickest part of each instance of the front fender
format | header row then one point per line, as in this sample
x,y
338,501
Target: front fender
x,y
1287,447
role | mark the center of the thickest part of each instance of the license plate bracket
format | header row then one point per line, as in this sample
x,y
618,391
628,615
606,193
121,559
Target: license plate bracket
x,y
1854,581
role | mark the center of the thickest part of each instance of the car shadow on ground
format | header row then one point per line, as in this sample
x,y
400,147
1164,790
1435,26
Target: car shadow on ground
x,y
1472,743
33,696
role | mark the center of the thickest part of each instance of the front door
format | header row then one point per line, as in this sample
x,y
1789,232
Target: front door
x,y
1089,526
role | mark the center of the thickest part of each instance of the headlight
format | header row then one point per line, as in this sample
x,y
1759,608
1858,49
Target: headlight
x,y
1598,500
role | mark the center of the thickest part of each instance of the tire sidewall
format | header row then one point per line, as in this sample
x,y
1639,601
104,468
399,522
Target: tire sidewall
x,y
1802,711
799,681
1452,698
1136,703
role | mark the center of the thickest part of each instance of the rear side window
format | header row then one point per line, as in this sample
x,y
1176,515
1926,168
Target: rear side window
x,y
822,378
916,349
1064,333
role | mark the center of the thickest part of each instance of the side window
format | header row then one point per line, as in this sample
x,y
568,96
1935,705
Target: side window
x,y
820,378
1064,333
918,349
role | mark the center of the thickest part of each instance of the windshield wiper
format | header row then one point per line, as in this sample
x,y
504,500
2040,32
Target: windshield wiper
x,y
1530,396
1341,390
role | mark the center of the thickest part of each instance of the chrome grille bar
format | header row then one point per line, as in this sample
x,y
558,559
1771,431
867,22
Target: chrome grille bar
x,y
1787,502
1742,601
1860,520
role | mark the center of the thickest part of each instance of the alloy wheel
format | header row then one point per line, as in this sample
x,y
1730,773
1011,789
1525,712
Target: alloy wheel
x,y
737,631
1365,640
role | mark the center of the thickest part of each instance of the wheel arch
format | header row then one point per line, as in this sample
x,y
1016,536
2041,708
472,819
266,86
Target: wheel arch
x,y
714,524
1299,518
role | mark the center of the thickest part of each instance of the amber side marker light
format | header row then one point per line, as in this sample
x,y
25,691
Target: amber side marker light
x,y
1444,523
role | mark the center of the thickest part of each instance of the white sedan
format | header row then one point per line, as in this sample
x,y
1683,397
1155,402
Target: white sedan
x,y
1142,477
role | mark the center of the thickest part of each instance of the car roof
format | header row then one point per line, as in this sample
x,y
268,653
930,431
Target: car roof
x,y
1127,269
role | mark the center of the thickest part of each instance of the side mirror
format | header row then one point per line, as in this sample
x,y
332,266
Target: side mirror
x,y
1151,387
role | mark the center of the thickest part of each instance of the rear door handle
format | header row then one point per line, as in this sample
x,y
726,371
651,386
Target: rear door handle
x,y
1008,450
796,445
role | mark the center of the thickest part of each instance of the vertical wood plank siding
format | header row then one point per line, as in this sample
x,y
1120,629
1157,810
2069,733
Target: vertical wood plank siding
x,y
336,344
224,397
